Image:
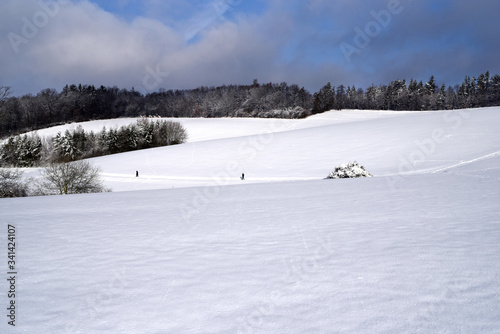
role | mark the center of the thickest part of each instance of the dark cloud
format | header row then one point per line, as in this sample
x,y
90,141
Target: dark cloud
x,y
443,38
174,44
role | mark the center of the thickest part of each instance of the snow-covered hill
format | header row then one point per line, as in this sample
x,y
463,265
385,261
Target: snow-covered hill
x,y
387,144
414,249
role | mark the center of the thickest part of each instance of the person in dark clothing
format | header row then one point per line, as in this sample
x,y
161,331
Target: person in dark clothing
x,y
136,173
242,176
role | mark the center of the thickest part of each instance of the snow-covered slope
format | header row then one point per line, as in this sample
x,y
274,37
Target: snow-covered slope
x,y
201,129
414,249
387,144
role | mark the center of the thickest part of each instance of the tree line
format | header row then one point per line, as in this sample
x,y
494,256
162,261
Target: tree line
x,y
483,91
31,150
77,103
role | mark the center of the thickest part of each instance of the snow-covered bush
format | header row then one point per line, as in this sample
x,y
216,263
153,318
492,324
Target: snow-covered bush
x,y
350,170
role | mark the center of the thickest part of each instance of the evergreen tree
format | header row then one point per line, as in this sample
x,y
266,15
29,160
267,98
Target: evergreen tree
x,y
441,98
324,100
340,98
430,86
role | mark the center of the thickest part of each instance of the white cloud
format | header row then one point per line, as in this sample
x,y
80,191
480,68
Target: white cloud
x,y
294,41
83,43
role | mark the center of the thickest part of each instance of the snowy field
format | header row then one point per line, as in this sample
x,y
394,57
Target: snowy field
x,y
188,247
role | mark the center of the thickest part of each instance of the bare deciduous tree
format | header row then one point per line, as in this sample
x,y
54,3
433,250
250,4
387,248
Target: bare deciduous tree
x,y
12,183
70,178
4,92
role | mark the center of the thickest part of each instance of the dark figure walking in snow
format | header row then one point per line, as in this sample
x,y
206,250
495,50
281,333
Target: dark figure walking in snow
x,y
242,176
136,173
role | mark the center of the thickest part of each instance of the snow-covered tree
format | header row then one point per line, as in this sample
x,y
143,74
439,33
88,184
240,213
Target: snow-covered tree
x,y
65,148
21,151
324,99
146,130
430,86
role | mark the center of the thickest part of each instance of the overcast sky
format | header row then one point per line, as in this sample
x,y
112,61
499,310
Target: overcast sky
x,y
176,44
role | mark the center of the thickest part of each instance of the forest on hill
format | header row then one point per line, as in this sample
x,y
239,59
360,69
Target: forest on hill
x,y
77,103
